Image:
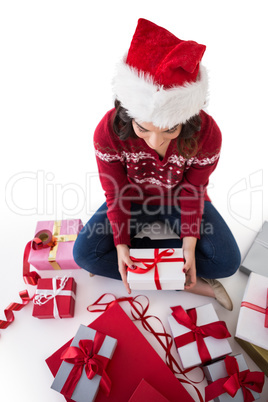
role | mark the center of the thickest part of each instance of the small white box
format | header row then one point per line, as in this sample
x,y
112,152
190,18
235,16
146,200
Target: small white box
x,y
188,353
170,272
218,370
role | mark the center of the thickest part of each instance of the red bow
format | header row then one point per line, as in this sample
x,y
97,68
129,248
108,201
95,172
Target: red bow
x,y
245,379
259,309
215,329
158,257
85,356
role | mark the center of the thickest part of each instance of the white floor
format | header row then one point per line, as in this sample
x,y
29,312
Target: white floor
x,y
57,62
28,341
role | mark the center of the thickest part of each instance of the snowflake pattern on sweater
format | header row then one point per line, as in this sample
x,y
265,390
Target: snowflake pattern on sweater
x,y
137,165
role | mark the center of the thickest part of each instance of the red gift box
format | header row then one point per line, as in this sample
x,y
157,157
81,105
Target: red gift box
x,y
54,298
133,360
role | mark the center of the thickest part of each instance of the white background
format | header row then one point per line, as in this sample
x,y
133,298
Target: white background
x,y
57,63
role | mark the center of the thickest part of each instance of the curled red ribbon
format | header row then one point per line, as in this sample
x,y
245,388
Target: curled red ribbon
x,y
42,239
158,257
14,307
259,309
30,278
86,357
245,380
215,329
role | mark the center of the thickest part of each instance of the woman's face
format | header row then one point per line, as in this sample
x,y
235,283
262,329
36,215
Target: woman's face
x,y
155,137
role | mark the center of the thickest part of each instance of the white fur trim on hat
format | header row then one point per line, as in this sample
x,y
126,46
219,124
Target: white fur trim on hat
x,y
146,101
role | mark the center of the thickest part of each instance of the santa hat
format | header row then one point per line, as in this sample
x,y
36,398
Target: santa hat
x,y
161,80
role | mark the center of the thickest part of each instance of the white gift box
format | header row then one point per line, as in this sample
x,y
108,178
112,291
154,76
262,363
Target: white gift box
x,y
171,276
189,354
250,325
218,370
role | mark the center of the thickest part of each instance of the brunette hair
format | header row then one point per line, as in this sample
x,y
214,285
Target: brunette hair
x,y
186,142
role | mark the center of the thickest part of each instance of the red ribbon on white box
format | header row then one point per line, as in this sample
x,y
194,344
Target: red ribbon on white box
x,y
42,296
259,309
151,263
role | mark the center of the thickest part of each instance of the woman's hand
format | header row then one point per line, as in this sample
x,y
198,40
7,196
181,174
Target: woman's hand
x,y
123,261
188,246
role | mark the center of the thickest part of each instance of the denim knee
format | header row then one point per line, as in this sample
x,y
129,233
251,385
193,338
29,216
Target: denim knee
x,y
229,263
82,259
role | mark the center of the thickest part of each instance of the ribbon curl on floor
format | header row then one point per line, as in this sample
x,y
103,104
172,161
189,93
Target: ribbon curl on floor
x,y
14,307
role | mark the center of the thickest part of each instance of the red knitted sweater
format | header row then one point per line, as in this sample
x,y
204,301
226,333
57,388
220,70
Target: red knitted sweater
x,y
130,171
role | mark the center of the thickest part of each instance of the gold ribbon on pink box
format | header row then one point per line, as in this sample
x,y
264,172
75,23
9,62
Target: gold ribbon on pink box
x,y
45,239
259,309
59,238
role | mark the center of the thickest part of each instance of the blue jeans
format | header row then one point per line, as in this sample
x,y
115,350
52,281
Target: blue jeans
x,y
217,254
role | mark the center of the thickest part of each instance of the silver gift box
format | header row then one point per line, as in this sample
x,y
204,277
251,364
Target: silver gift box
x,y
256,259
86,390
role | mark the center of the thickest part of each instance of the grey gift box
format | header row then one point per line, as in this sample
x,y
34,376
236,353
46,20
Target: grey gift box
x,y
256,259
86,390
218,370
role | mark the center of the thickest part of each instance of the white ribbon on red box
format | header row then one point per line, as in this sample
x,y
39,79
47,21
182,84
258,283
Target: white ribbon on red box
x,y
42,296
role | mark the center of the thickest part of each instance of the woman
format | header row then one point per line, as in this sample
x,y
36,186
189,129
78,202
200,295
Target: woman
x,y
155,152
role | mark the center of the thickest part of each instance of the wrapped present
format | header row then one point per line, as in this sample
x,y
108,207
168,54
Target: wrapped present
x,y
231,381
133,360
146,393
252,325
54,298
257,354
199,335
156,269
257,256
83,367
53,244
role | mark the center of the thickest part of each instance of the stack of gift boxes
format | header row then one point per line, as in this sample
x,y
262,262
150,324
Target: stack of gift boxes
x,y
202,340
99,362
52,249
254,307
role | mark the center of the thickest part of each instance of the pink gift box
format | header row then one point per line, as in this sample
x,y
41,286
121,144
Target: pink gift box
x,y
54,298
63,253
